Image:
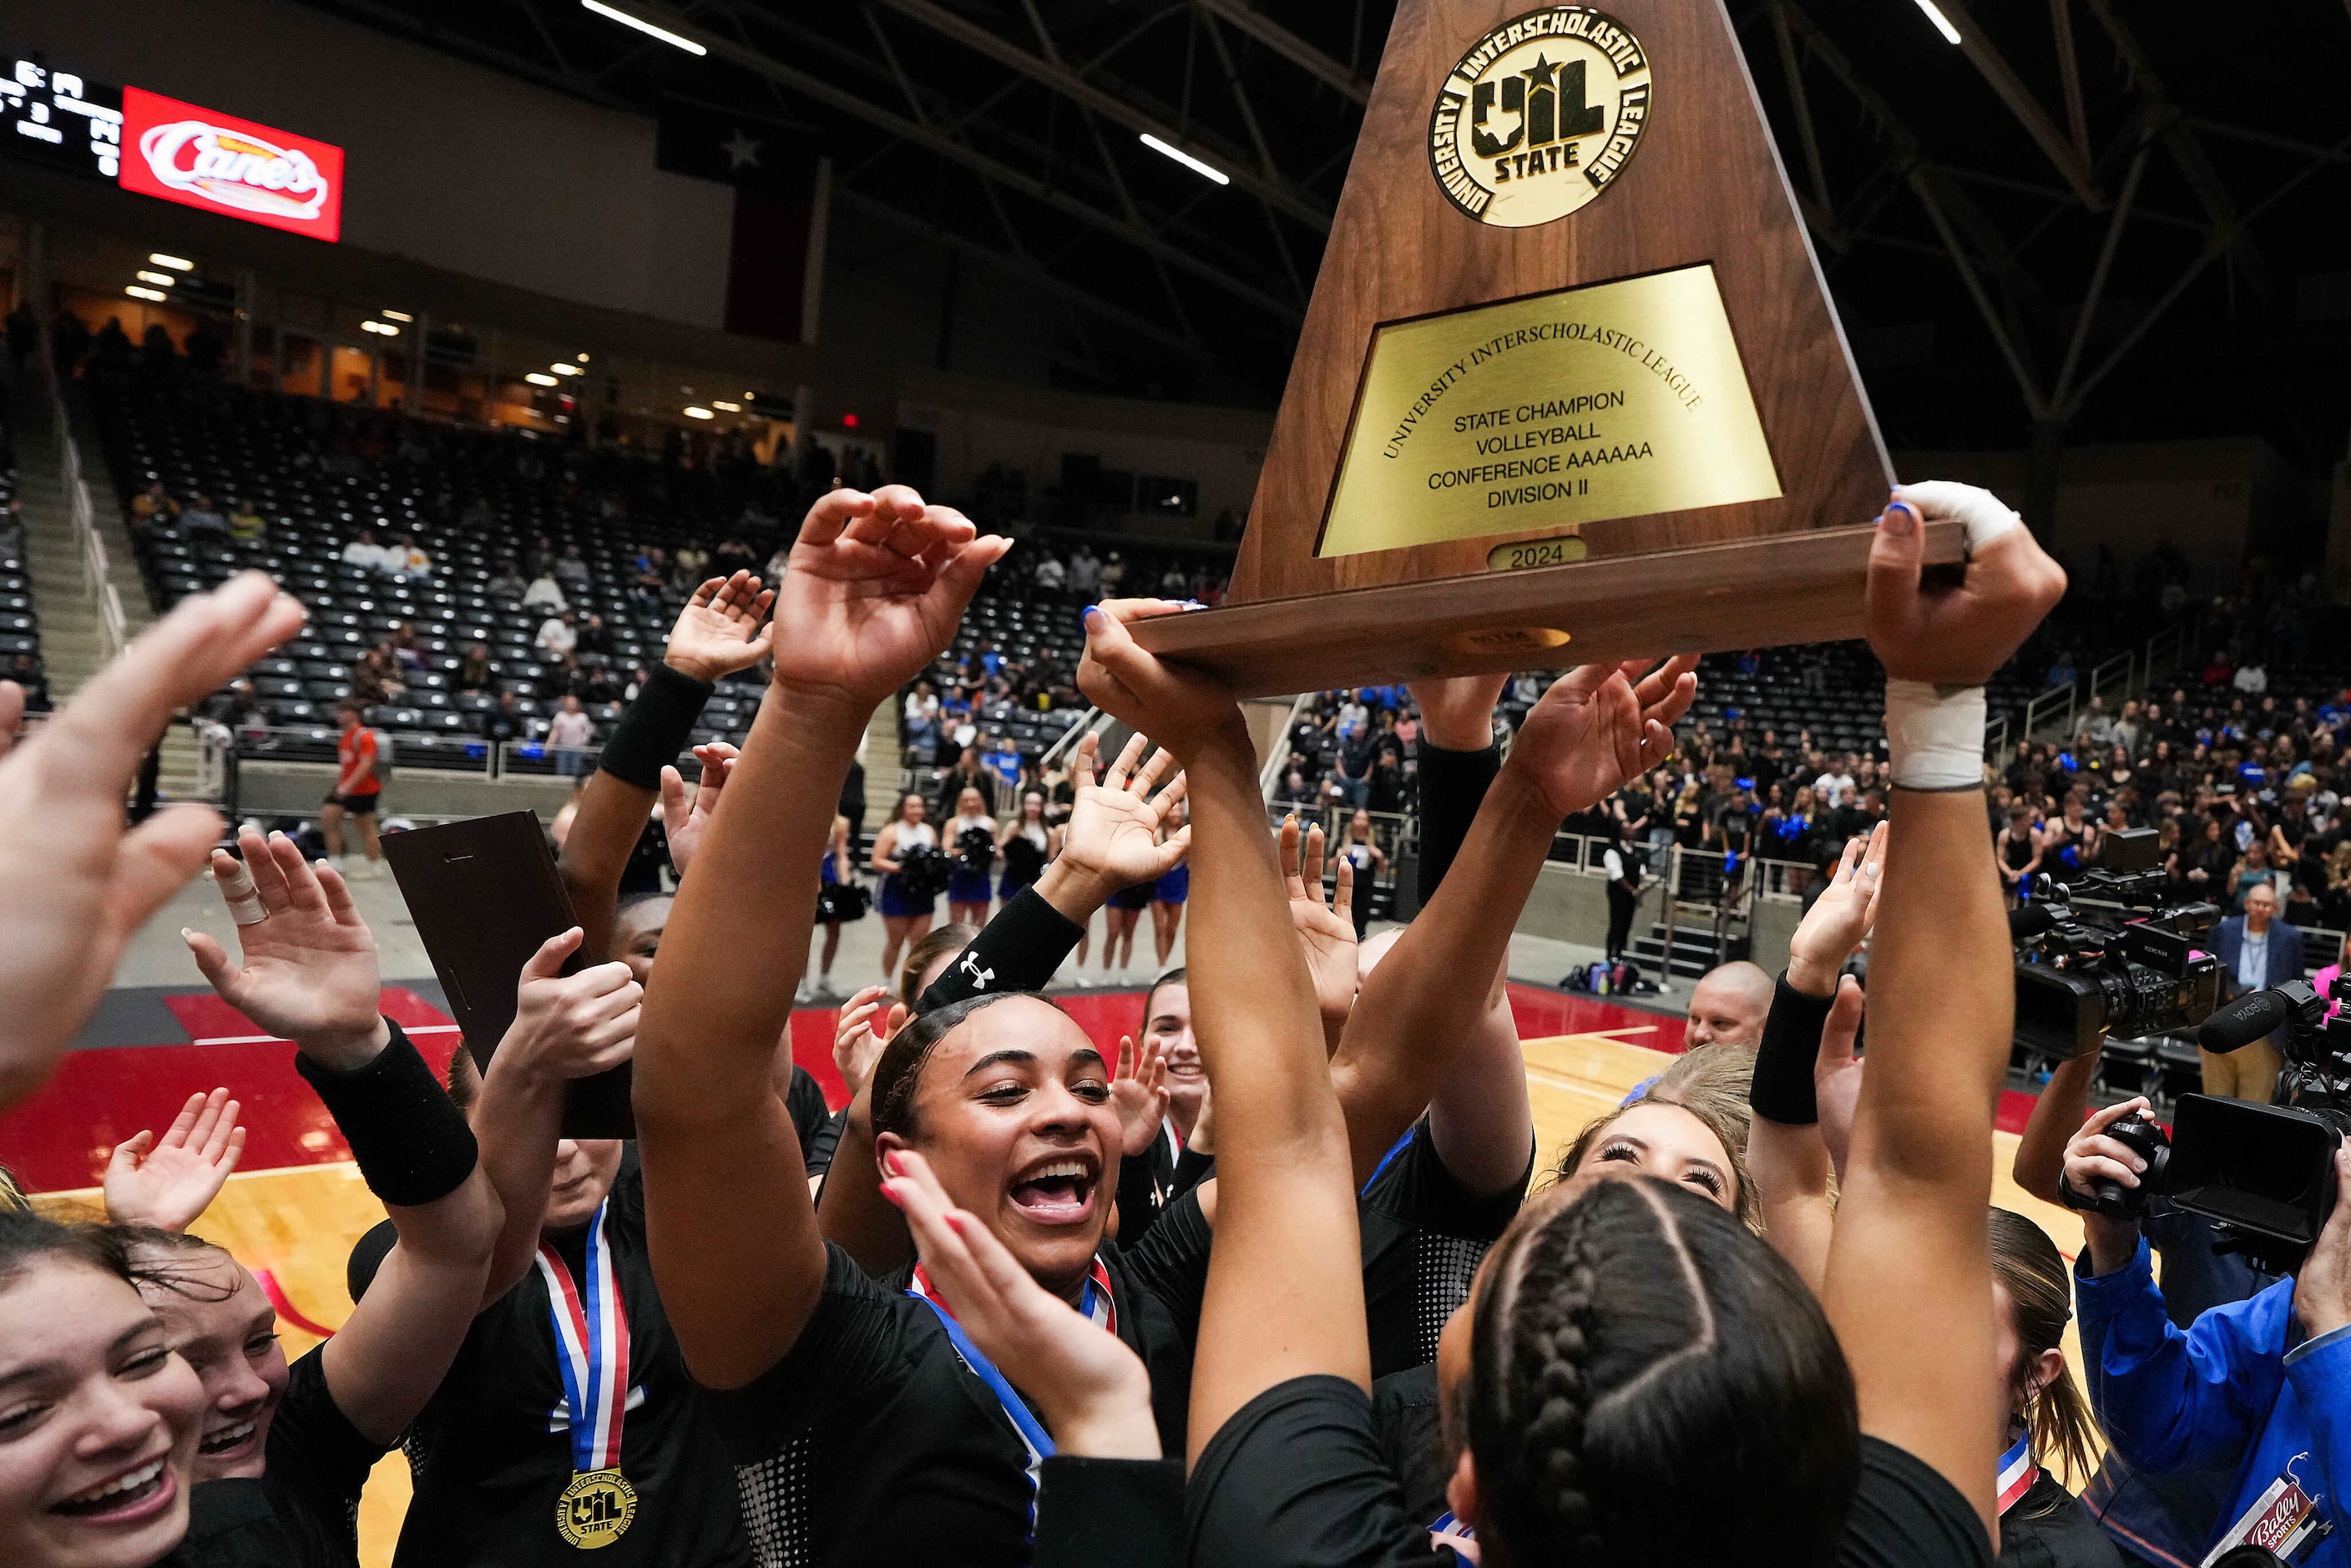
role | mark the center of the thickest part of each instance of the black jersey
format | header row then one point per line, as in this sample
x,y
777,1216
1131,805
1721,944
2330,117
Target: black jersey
x,y
304,1512
812,1119
1424,1235
871,1442
492,1452
1295,1479
2049,1527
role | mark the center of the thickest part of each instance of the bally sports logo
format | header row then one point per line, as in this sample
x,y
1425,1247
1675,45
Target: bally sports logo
x,y
201,158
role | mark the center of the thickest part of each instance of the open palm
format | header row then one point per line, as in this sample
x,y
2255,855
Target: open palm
x,y
873,589
1596,728
1325,931
308,972
723,628
1113,829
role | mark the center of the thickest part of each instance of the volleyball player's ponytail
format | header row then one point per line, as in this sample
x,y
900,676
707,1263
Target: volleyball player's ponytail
x,y
2029,1266
1648,1381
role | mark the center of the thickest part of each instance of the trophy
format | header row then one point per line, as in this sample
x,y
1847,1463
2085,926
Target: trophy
x,y
1570,387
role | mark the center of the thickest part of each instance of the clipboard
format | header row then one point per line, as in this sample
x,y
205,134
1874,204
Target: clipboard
x,y
485,896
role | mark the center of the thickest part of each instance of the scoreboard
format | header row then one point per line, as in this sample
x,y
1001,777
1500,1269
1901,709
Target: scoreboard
x,y
171,150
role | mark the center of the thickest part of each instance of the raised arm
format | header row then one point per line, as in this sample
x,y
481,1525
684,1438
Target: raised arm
x,y
874,589
308,972
1284,1296
565,1027
74,884
1911,1224
2056,1117
1593,729
718,633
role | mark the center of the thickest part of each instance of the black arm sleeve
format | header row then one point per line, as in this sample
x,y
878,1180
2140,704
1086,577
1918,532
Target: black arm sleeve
x,y
1110,1513
1782,1088
1453,785
1016,951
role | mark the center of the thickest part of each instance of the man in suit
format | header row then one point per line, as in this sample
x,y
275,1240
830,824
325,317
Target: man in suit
x,y
2256,950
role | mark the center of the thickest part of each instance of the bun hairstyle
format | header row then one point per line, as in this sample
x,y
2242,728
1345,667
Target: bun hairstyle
x,y
1630,1340
899,1071
2029,1266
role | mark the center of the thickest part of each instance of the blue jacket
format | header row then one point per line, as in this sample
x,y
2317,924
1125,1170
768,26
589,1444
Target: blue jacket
x,y
2233,1386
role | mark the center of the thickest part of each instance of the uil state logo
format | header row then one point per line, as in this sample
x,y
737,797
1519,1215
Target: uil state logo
x,y
1540,116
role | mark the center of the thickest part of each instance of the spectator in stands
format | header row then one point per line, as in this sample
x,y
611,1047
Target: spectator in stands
x,y
201,518
968,773
545,594
1113,575
503,723
373,678
506,585
922,726
2252,678
244,523
364,553
1051,577
24,333
1004,761
402,643
1833,782
408,559
594,638
572,571
569,735
474,672
1728,1006
152,505
557,634
69,341
1085,572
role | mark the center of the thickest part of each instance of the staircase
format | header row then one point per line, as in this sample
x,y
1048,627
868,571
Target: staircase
x,y
885,775
73,640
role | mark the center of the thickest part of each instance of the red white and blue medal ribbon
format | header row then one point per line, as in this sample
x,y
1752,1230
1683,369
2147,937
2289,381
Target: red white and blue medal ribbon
x,y
1096,1303
592,1348
2017,1472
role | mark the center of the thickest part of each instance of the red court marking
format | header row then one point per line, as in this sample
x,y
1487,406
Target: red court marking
x,y
1542,1013
287,1311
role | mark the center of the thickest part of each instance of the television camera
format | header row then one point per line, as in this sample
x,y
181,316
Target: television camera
x,y
2105,955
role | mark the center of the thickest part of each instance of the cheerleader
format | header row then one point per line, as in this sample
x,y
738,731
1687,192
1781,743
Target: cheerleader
x,y
1119,917
1026,843
1167,896
971,841
1360,848
906,914
839,899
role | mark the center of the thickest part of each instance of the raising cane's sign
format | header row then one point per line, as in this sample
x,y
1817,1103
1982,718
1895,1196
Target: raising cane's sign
x,y
203,157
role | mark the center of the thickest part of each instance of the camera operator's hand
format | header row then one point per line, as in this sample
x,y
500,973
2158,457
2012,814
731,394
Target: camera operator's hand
x,y
2322,1291
1956,636
308,972
2090,1155
1839,919
723,628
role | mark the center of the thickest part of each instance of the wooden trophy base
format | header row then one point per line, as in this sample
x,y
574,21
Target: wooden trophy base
x,y
1805,587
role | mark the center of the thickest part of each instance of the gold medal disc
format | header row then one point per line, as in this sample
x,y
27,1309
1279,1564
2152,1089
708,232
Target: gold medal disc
x,y
596,1508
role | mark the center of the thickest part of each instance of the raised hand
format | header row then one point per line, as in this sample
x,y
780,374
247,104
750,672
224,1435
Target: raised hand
x,y
308,971
1599,725
867,1022
2091,1156
720,630
74,884
168,1182
1113,829
1092,1390
1837,1072
1325,931
1139,1089
1841,918
1955,636
874,587
1177,706
682,824
570,1026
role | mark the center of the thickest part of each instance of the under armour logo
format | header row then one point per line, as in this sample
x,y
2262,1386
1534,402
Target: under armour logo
x,y
969,964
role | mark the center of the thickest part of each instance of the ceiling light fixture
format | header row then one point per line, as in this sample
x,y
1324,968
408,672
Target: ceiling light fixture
x,y
1942,23
1210,170
176,263
560,368
699,414
727,407
641,26
160,279
540,379
136,292
381,328
397,316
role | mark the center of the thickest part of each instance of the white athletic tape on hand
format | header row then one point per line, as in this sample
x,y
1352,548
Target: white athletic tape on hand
x,y
1935,734
1978,511
245,906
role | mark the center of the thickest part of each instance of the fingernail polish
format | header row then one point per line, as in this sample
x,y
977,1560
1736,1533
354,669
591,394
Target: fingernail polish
x,y
1089,616
890,1163
1900,518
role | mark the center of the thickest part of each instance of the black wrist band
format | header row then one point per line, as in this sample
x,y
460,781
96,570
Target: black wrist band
x,y
1016,951
654,730
1453,785
1782,1088
411,1143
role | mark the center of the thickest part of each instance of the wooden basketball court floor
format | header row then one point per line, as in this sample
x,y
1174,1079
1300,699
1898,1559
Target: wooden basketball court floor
x,y
298,1205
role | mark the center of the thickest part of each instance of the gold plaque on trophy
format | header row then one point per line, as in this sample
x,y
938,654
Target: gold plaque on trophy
x,y
1612,400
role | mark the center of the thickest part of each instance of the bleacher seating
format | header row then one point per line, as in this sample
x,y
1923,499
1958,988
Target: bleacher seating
x,y
20,625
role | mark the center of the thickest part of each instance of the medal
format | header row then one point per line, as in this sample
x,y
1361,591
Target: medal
x,y
2017,1473
591,1349
596,1508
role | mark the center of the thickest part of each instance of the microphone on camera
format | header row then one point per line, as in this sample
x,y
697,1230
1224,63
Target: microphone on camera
x,y
2029,920
2246,1020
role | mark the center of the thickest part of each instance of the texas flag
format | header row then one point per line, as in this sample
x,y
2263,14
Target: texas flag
x,y
783,186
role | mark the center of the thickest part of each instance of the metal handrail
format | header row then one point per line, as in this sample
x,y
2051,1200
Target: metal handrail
x,y
2037,711
2105,674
